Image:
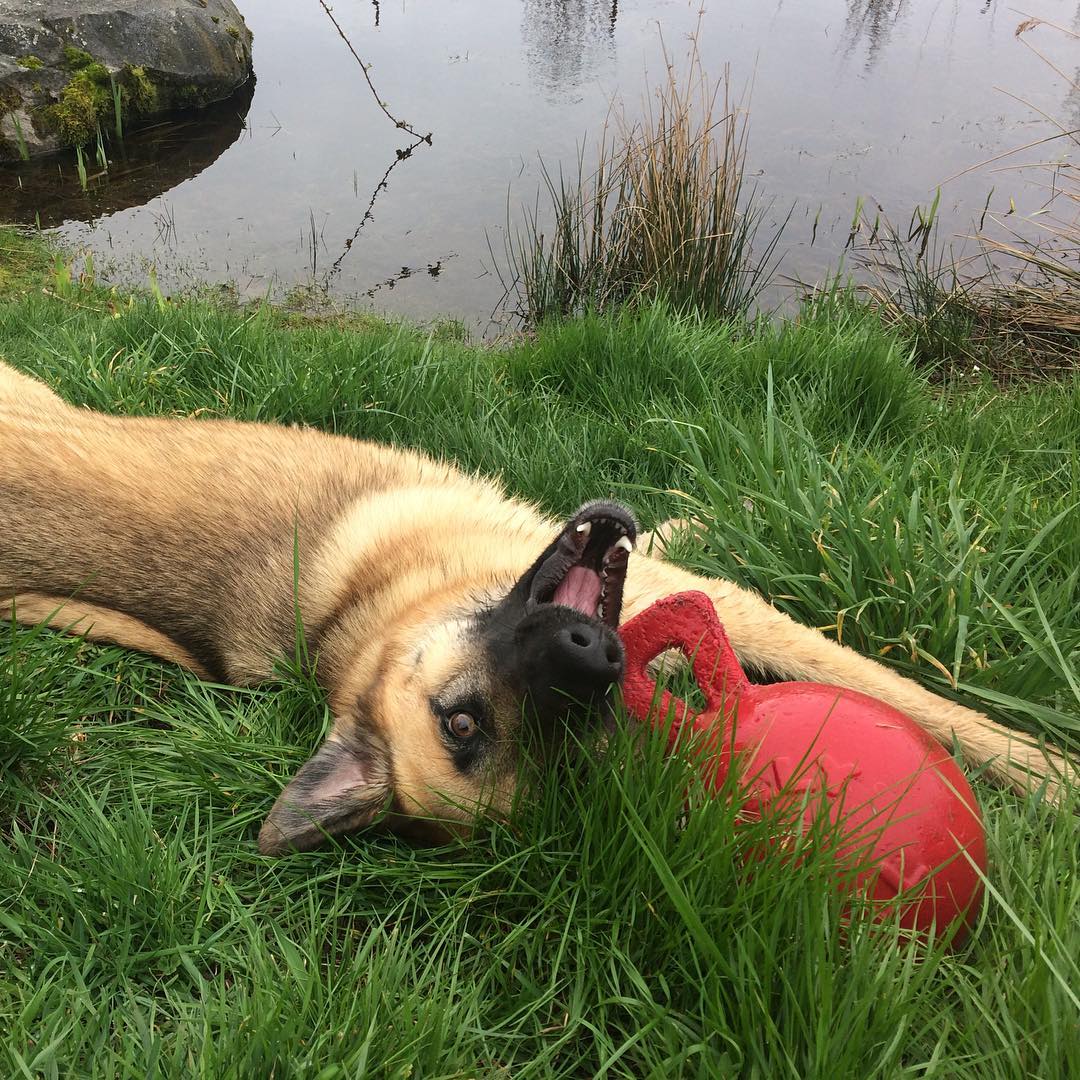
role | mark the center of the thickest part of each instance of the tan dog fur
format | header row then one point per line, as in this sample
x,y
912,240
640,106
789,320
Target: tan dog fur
x,y
181,537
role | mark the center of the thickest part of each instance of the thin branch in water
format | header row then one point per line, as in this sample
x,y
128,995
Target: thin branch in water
x,y
371,86
399,157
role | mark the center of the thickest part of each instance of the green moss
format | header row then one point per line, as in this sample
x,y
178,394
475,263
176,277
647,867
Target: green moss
x,y
83,102
138,91
96,73
76,59
86,102
232,32
30,62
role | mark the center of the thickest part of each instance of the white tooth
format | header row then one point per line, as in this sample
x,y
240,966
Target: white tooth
x,y
625,543
600,611
584,528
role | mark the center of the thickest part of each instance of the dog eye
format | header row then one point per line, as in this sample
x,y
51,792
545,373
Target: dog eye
x,y
462,725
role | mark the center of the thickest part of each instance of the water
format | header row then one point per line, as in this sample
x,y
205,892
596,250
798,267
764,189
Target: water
x,y
300,184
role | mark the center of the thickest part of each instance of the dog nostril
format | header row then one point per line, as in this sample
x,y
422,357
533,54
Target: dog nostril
x,y
612,653
579,639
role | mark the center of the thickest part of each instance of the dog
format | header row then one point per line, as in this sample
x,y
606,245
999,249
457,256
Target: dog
x,y
448,620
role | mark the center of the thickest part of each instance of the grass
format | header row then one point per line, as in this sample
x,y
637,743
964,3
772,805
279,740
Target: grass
x,y
933,525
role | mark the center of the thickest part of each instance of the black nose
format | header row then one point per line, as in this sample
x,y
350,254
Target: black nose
x,y
588,655
558,661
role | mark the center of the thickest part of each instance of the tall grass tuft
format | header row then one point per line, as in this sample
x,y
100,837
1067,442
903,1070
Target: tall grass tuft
x,y
925,290
664,214
1041,304
1009,306
1046,299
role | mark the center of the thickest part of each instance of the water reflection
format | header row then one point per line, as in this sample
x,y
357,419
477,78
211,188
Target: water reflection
x,y
46,191
1072,99
564,40
875,22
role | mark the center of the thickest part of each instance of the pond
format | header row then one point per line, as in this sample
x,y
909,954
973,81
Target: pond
x,y
301,181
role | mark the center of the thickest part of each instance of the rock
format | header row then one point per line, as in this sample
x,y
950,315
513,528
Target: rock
x,y
64,64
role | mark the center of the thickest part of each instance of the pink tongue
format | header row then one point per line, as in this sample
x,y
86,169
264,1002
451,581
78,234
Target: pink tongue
x,y
580,589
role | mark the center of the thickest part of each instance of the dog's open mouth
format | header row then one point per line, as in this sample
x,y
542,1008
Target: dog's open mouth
x,y
586,570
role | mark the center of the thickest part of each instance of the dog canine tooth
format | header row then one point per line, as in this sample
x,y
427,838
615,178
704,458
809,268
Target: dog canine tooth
x,y
624,542
584,528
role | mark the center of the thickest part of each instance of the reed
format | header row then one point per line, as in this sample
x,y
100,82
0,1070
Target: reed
x,y
118,108
80,166
100,155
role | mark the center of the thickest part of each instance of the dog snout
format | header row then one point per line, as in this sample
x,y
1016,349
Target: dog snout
x,y
590,657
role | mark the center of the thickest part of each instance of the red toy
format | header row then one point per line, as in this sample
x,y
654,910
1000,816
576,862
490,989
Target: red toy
x,y
892,789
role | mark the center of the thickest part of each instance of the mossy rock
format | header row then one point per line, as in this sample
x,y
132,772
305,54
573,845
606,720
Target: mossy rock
x,y
66,66
143,94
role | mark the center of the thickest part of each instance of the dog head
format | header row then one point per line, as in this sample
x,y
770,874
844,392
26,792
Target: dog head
x,y
462,689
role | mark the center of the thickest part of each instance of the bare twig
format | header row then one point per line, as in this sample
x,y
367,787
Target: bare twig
x,y
367,78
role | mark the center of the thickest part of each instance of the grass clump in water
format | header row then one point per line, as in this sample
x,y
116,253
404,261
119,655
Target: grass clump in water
x,y
664,215
1012,308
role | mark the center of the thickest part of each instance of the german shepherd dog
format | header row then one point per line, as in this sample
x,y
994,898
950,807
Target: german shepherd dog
x,y
444,615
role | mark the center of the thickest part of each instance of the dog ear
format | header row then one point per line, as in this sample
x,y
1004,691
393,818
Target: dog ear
x,y
341,788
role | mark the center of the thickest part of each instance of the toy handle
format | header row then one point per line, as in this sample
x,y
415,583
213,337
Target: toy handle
x,y
686,621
